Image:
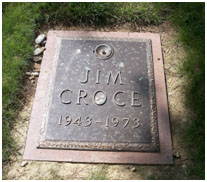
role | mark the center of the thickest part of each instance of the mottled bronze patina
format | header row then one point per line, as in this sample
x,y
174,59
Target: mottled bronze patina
x,y
104,95
101,104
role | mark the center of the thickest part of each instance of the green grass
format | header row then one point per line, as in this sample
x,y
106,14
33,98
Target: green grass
x,y
96,14
22,21
17,38
189,18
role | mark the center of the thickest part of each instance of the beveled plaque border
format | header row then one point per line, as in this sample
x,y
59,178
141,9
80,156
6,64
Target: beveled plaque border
x,y
152,146
164,156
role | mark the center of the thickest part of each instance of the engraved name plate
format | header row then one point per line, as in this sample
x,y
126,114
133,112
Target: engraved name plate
x,y
101,96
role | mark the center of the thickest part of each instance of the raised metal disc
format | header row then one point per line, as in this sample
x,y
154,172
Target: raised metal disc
x,y
103,51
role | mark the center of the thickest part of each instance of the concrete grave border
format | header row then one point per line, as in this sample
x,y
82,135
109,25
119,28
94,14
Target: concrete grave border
x,y
162,157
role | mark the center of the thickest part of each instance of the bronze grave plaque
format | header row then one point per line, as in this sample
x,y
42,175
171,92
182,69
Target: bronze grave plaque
x,y
100,98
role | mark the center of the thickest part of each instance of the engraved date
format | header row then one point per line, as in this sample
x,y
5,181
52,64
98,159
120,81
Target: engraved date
x,y
112,122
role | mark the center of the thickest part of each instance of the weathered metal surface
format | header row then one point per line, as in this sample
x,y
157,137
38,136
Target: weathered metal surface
x,y
164,156
103,51
101,96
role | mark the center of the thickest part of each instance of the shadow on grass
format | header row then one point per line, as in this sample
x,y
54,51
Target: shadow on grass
x,y
189,18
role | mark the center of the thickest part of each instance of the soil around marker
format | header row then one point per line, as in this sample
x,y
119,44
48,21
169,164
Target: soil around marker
x,y
178,116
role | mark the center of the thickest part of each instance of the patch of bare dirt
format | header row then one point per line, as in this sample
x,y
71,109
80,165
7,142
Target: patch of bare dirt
x,y
173,55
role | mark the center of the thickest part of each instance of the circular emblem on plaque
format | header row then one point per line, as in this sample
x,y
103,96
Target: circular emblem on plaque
x,y
103,51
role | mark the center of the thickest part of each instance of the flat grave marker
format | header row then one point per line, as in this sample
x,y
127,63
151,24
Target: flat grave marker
x,y
101,97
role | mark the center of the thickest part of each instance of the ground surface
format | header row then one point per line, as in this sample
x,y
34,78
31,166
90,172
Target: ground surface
x,y
173,54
